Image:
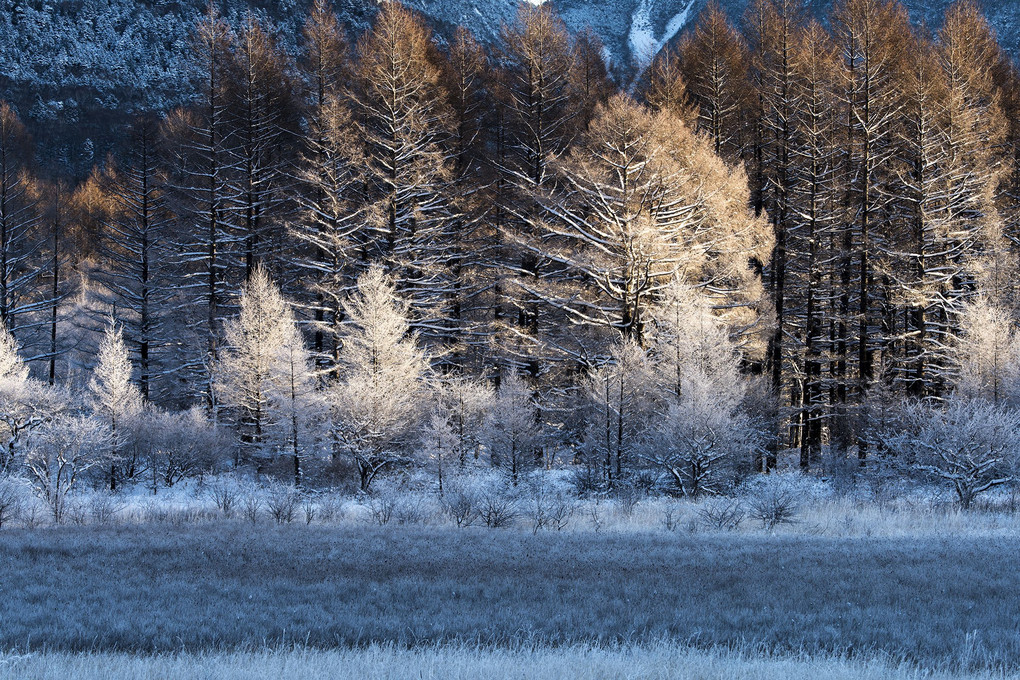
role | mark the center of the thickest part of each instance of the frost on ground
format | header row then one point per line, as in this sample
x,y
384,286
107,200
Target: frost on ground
x,y
936,602
454,662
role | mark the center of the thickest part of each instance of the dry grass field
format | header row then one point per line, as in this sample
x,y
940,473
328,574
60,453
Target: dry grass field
x,y
455,662
937,603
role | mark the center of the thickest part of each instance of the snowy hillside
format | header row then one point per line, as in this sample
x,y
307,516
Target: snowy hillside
x,y
83,64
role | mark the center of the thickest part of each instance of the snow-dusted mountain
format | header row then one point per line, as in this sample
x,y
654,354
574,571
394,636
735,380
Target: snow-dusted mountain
x,y
72,65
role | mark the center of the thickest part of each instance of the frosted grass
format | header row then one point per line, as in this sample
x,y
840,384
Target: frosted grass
x,y
457,662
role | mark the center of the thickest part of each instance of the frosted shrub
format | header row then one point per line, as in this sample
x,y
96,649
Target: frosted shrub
x,y
381,509
498,508
282,503
722,514
461,505
309,506
549,509
226,496
410,510
774,500
11,501
970,443
103,508
251,504
60,453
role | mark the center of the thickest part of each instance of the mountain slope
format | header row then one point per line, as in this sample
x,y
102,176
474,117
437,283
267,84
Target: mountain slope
x,y
74,68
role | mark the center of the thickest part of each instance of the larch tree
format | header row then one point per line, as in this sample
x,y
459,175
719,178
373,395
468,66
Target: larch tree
x,y
536,63
200,143
512,431
622,397
249,370
325,64
663,88
471,251
262,113
714,64
870,36
701,432
590,85
813,205
643,200
136,254
115,399
379,399
19,219
331,221
402,110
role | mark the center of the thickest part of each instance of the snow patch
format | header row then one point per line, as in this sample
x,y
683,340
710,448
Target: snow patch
x,y
674,25
607,56
643,44
642,41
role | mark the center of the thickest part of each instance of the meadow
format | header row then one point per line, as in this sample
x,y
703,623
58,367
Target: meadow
x,y
458,662
928,603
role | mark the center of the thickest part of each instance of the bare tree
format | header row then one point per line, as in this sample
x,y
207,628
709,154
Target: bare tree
x,y
969,443
61,452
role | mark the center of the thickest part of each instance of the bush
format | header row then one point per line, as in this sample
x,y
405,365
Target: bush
x,y
103,508
251,504
550,510
722,514
381,509
226,496
410,510
331,508
498,509
672,516
774,501
11,501
282,503
309,507
462,507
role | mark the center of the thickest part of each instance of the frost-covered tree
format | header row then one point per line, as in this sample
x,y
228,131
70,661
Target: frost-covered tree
x,y
403,119
513,434
642,200
988,354
200,145
115,399
378,401
703,430
60,453
262,116
300,404
970,443
25,403
332,220
251,363
463,403
714,64
19,221
136,254
622,398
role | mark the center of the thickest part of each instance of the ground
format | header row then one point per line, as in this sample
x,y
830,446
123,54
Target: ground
x,y
935,603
